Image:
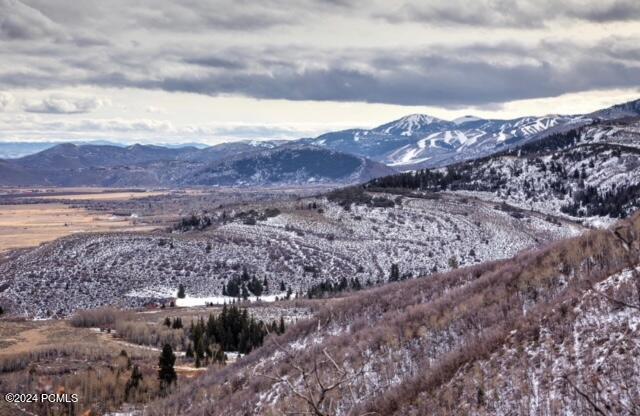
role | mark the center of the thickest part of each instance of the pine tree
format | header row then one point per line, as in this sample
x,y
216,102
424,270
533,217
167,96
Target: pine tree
x,y
181,293
220,356
189,352
245,275
394,275
255,286
177,323
453,262
167,322
281,329
134,382
166,373
245,292
282,287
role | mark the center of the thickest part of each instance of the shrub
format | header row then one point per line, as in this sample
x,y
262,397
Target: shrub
x,y
101,317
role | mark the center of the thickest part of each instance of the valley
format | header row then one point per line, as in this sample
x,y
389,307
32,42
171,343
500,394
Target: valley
x,y
28,225
272,276
320,208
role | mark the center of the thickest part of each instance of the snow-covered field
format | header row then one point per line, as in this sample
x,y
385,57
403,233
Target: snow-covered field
x,y
190,301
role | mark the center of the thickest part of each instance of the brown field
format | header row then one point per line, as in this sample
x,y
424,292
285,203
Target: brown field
x,y
103,196
28,336
29,225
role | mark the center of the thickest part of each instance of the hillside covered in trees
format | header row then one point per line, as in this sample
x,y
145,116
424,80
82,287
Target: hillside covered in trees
x,y
586,172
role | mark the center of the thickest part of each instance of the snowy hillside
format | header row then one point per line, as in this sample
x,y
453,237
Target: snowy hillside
x,y
551,331
591,172
293,243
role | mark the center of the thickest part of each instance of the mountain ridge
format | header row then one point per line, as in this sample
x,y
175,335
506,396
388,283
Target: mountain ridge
x,y
228,164
423,141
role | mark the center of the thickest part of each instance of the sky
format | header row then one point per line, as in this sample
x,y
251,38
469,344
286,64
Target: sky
x,y
212,71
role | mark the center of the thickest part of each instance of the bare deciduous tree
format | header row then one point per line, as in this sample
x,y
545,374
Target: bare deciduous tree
x,y
322,378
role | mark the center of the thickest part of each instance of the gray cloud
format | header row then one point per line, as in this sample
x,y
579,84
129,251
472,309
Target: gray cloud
x,y
19,21
63,105
215,62
511,13
475,74
198,46
6,100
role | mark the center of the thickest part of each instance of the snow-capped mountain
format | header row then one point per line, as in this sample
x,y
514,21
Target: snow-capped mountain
x,y
419,141
590,172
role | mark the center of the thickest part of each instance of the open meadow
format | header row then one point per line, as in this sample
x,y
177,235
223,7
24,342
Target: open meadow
x,y
30,224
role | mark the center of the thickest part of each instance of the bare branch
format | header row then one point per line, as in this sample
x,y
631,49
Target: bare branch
x,y
586,397
614,300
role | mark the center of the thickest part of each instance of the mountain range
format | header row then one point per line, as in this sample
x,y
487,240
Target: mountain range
x,y
412,142
420,141
228,164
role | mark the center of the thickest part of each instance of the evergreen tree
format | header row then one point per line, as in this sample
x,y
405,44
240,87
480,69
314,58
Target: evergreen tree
x,y
220,356
254,287
245,292
181,293
167,322
189,352
281,329
394,275
177,323
245,274
233,287
134,382
166,373
453,262
282,286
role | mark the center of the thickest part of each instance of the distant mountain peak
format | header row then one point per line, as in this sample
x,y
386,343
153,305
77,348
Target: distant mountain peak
x,y
411,125
419,119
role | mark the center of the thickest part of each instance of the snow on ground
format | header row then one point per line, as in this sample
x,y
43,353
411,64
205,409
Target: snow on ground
x,y
298,248
190,301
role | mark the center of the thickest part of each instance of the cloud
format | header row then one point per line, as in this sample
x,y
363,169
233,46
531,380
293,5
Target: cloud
x,y
512,13
443,75
19,22
6,99
279,49
60,104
